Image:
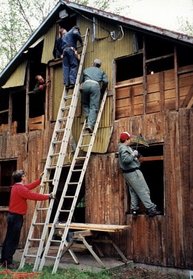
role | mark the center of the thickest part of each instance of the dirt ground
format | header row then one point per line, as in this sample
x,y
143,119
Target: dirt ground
x,y
136,272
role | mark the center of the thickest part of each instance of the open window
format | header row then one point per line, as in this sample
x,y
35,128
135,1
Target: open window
x,y
129,67
6,170
79,213
18,109
4,110
159,55
185,56
37,88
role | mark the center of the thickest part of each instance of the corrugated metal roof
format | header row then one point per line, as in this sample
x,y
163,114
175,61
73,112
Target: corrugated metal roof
x,y
80,9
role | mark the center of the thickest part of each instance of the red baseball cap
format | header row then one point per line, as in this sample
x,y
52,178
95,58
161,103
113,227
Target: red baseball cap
x,y
124,136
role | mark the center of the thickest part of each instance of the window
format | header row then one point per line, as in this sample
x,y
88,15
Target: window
x,y
4,107
185,56
79,212
18,110
6,170
129,67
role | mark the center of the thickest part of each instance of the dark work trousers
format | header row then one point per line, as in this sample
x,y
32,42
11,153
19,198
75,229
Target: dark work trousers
x,y
70,66
14,225
91,101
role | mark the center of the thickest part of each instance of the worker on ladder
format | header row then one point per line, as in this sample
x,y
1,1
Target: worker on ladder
x,y
94,83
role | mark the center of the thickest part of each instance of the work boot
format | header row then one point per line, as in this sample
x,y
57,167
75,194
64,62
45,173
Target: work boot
x,y
134,212
89,129
10,265
151,212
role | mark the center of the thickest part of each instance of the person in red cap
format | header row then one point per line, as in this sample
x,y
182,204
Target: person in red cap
x,y
130,166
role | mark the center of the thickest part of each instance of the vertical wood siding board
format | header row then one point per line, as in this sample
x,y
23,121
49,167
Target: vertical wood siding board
x,y
161,83
176,78
168,186
185,130
173,190
189,241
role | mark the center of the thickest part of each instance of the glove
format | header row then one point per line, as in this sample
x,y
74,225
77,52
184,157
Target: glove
x,y
135,153
52,196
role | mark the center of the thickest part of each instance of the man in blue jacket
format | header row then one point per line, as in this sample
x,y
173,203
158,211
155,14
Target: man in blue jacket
x,y
130,166
70,60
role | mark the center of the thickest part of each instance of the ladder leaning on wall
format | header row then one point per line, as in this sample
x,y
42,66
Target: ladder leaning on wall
x,y
53,168
70,195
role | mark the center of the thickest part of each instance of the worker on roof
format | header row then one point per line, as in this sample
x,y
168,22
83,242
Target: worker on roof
x,y
138,188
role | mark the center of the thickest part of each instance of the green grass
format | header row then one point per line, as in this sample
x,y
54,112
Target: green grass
x,y
68,273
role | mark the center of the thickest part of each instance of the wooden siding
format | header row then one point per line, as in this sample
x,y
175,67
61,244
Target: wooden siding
x,y
164,240
161,93
23,148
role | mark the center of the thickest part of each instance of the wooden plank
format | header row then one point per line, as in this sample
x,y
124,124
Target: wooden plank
x,y
99,227
152,158
95,227
36,123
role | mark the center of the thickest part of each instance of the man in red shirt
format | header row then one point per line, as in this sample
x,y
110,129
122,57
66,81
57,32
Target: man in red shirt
x,y
20,193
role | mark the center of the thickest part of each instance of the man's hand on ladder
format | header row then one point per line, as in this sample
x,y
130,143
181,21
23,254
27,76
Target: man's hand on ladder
x,y
52,196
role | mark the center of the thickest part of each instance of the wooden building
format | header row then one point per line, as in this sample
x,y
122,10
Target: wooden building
x,y
150,92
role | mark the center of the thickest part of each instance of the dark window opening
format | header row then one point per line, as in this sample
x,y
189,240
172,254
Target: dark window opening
x,y
185,56
152,168
4,107
18,100
138,39
79,212
37,104
129,67
36,97
6,170
160,65
156,47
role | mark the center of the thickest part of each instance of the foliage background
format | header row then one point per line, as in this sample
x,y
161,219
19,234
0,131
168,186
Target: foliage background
x,y
19,18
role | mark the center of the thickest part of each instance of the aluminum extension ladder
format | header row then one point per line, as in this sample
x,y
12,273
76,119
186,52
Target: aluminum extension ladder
x,y
70,194
53,168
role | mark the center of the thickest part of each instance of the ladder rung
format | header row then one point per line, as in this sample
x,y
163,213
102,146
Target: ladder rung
x,y
42,208
55,240
72,183
64,210
50,257
87,134
34,239
47,180
68,197
51,167
30,255
67,107
57,141
80,158
77,170
38,224
55,155
84,145
60,130
68,97
62,119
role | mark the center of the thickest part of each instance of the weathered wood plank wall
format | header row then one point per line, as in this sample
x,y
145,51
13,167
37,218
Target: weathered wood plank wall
x,y
163,240
161,93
